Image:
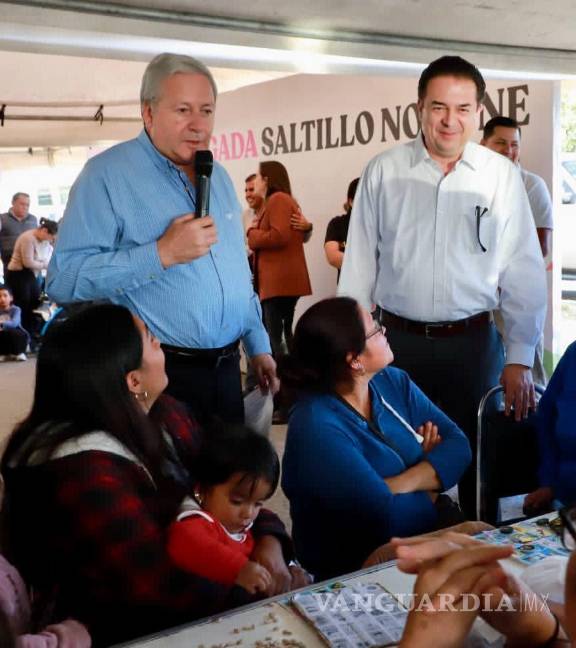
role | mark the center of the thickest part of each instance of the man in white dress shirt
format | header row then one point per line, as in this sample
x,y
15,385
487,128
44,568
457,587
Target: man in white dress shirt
x,y
502,134
441,234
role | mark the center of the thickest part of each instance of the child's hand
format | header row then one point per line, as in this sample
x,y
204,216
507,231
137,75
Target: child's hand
x,y
254,578
431,437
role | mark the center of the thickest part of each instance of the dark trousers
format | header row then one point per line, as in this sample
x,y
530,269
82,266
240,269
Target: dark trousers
x,y
26,291
13,341
455,373
5,256
211,387
278,315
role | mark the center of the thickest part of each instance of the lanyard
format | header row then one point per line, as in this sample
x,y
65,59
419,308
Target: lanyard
x,y
402,420
392,411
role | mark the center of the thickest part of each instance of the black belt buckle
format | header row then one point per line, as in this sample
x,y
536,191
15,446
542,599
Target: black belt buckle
x,y
227,352
429,328
203,355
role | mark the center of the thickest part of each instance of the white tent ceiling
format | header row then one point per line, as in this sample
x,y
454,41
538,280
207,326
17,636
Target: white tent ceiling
x,y
56,52
73,88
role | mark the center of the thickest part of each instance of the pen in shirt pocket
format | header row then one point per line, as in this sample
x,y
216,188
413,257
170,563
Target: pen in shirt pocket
x,y
480,212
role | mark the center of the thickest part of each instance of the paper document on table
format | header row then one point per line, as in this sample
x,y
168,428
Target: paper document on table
x,y
363,615
511,508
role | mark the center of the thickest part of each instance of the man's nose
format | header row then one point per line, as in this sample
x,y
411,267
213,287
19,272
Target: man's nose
x,y
194,120
449,117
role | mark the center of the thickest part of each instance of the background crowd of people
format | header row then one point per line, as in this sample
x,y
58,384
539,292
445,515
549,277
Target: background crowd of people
x,y
26,249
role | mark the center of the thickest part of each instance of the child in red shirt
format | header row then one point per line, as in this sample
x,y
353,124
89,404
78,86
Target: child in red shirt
x,y
235,472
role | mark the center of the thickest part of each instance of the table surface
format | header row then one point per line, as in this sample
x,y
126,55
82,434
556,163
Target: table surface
x,y
274,624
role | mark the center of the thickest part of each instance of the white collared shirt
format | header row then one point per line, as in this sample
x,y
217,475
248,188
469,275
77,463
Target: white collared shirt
x,y
539,199
413,247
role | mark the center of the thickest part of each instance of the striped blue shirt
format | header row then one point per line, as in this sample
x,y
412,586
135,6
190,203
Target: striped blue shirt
x,y
120,205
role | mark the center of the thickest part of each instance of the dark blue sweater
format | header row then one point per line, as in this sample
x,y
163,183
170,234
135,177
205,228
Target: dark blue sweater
x,y
334,468
557,430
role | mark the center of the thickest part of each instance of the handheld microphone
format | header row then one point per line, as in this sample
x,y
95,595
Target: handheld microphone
x,y
203,163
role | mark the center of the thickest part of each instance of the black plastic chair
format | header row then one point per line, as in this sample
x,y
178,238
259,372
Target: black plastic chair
x,y
507,455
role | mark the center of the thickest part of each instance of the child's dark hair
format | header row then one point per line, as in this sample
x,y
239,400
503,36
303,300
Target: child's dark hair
x,y
7,289
230,449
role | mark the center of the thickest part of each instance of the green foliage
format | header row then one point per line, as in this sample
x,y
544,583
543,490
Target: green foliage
x,y
568,121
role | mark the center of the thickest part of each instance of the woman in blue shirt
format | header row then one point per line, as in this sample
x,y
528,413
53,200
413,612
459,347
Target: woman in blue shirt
x,y
367,453
556,423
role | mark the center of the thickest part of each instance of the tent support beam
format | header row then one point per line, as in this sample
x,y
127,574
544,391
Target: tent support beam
x,y
292,31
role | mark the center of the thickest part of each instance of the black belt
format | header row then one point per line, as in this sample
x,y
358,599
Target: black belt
x,y
202,355
433,329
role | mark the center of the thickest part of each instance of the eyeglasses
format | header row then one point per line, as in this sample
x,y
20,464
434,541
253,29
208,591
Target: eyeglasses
x,y
568,517
378,328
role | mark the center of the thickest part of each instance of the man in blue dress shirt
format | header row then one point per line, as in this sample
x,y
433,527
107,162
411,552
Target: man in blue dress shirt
x,y
129,235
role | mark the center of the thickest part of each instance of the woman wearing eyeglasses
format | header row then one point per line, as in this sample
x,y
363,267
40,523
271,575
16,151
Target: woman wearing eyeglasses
x,y
367,453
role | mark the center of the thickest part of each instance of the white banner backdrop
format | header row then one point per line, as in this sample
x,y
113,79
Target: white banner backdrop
x,y
325,129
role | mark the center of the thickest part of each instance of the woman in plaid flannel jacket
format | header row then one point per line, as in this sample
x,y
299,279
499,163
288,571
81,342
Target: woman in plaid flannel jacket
x,y
94,476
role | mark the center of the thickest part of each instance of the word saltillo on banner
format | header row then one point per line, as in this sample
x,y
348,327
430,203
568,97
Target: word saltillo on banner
x,y
387,124
325,129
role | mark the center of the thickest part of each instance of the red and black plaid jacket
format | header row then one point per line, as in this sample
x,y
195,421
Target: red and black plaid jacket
x,y
92,527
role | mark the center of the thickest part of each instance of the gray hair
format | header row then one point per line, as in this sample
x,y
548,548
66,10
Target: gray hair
x,y
19,194
163,66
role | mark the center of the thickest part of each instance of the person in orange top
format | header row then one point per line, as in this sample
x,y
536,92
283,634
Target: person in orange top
x,y
280,270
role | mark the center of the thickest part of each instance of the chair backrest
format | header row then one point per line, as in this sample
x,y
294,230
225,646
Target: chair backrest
x,y
507,455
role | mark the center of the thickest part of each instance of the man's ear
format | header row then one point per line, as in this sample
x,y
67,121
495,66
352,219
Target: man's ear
x,y
147,115
133,381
